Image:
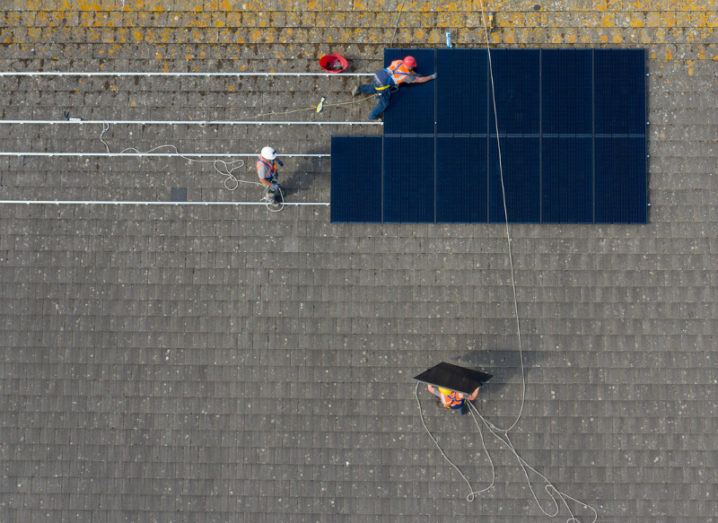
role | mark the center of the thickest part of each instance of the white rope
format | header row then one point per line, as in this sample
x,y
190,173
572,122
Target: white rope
x,y
472,493
222,167
174,74
506,221
502,434
179,122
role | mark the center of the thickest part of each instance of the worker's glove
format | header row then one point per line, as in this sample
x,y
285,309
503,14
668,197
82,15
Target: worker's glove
x,y
274,187
280,162
433,76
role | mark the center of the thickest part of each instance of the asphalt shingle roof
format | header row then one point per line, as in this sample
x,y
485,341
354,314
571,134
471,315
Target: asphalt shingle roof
x,y
226,364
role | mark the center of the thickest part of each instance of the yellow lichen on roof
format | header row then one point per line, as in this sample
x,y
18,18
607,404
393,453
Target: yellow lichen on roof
x,y
676,25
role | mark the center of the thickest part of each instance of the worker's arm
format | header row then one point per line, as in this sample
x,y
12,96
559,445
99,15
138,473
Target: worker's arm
x,y
474,394
424,79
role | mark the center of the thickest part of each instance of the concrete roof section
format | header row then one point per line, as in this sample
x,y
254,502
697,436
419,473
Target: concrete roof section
x,y
224,363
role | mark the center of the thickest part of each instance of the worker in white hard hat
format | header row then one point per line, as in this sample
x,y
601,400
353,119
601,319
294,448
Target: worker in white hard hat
x,y
268,173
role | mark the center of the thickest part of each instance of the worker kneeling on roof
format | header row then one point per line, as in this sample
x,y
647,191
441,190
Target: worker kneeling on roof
x,y
268,173
399,72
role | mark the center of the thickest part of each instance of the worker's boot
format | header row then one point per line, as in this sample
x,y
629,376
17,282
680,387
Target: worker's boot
x,y
268,196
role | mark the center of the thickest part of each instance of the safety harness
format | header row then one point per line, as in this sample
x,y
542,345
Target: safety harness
x,y
386,76
272,166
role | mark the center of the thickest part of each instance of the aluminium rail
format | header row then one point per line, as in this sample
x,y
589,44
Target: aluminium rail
x,y
172,74
154,155
128,202
179,122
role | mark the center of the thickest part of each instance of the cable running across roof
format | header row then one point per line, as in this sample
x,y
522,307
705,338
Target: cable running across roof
x,y
558,498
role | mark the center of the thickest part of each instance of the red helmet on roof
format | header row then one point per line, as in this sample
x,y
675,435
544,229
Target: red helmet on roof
x,y
409,61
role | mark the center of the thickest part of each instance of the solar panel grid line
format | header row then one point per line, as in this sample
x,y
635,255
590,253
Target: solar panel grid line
x,y
620,135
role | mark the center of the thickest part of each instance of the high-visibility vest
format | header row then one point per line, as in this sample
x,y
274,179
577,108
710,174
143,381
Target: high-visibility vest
x,y
271,167
453,399
398,71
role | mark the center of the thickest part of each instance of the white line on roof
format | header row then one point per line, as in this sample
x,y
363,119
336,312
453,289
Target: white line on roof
x,y
160,155
110,202
180,122
156,73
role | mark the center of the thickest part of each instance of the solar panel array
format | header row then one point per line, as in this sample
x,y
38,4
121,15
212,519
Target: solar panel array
x,y
572,136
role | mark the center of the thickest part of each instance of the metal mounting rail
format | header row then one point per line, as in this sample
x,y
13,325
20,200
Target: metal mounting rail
x,y
177,122
156,155
157,73
110,202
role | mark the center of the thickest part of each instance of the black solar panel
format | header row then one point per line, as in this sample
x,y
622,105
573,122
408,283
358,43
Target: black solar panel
x,y
465,111
567,180
356,179
409,180
520,158
566,91
517,83
461,180
572,131
454,377
621,194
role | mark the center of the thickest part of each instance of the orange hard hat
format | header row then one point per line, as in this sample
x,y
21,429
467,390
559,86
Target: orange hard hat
x,y
409,61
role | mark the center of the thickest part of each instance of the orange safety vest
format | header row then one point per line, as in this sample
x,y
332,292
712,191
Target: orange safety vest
x,y
453,399
272,166
398,71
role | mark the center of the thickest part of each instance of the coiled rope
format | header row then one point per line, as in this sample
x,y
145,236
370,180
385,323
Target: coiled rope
x,y
225,168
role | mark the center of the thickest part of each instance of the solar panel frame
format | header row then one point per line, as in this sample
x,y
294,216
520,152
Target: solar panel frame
x,y
567,180
408,180
461,198
356,179
462,71
620,192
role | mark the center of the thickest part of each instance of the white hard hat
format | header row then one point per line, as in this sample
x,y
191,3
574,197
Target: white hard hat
x,y
268,153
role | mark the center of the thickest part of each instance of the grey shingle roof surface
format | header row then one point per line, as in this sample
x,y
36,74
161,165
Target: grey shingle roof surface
x,y
227,364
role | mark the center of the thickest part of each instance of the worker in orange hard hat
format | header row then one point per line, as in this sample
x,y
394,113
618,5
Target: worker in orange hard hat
x,y
451,399
399,72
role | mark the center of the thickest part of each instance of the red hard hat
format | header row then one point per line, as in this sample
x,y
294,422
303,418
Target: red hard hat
x,y
409,61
